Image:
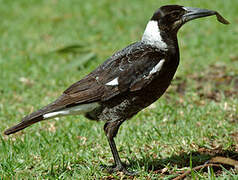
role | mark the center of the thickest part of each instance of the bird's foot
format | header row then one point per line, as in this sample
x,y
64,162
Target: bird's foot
x,y
118,168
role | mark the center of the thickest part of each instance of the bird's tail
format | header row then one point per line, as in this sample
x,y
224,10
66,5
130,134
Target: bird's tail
x,y
50,111
23,124
31,119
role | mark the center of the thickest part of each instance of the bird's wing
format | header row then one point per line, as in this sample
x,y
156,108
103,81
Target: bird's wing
x,y
130,69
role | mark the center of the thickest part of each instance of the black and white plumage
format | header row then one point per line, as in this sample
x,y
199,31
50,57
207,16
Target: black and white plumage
x,y
128,81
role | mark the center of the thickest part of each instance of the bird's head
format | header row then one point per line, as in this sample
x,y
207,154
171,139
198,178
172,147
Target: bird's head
x,y
172,17
168,19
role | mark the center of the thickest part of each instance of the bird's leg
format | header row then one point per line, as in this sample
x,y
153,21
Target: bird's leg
x,y
111,129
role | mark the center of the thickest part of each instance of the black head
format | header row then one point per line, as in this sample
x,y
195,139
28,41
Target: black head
x,y
172,17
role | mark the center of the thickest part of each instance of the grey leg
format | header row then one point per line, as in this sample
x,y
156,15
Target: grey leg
x,y
111,129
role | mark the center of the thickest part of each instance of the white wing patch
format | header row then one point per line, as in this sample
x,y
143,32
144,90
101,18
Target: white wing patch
x,y
114,82
157,67
80,109
152,36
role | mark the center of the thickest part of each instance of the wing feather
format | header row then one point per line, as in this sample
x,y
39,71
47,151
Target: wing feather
x,y
131,66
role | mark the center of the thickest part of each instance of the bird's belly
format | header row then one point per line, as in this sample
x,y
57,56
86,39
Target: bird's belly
x,y
130,103
127,104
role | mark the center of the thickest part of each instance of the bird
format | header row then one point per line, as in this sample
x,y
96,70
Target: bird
x,y
128,81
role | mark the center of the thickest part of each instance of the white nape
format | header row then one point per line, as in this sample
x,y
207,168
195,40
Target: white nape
x,y
80,109
157,67
114,82
153,37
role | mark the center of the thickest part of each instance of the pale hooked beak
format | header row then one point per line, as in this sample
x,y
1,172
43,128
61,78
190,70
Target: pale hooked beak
x,y
194,13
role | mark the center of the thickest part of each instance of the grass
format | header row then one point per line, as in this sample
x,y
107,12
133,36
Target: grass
x,y
194,121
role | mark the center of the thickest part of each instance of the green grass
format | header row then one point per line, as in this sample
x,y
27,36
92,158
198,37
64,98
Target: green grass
x,y
199,110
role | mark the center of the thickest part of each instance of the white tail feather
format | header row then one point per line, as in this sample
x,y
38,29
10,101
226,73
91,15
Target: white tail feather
x,y
80,109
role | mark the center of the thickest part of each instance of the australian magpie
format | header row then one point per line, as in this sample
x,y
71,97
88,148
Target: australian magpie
x,y
128,81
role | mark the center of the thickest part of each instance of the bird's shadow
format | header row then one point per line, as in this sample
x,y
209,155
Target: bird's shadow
x,y
191,159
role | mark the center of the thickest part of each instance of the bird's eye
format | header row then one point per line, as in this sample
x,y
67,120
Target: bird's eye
x,y
176,14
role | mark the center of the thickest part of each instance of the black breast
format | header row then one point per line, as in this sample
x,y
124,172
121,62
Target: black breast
x,y
128,103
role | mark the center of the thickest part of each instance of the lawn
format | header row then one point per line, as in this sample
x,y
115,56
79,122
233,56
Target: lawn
x,y
46,45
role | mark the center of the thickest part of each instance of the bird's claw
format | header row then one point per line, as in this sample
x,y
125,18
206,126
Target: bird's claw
x,y
118,168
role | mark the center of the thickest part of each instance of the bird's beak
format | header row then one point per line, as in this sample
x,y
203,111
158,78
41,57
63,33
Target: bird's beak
x,y
194,13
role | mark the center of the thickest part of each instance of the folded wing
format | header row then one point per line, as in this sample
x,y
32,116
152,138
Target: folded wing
x,y
130,69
